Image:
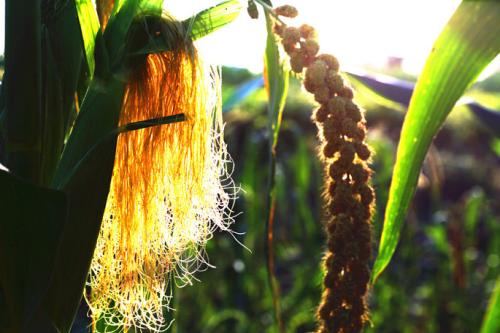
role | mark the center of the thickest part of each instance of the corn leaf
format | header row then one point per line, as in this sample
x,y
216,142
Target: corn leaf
x,y
124,13
491,322
89,23
30,230
98,117
470,41
52,112
87,190
198,26
22,88
211,19
68,55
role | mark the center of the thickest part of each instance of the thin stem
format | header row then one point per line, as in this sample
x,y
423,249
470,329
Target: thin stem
x,y
269,10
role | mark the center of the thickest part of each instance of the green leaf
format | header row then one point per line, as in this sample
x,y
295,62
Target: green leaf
x,y
276,81
211,19
22,88
491,321
124,13
52,112
89,23
197,26
98,116
468,43
68,56
30,232
87,191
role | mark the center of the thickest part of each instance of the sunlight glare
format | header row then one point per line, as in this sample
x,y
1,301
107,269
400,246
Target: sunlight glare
x,y
359,32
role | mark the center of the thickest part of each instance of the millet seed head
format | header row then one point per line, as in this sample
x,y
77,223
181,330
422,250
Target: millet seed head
x,y
330,60
347,152
297,62
336,107
349,127
286,11
335,81
320,114
331,148
291,36
360,173
309,86
316,73
290,48
360,132
279,29
362,151
335,171
311,47
322,94
353,111
367,195
347,92
308,32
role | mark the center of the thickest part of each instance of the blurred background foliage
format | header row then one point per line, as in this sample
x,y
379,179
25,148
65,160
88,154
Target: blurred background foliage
x,y
446,263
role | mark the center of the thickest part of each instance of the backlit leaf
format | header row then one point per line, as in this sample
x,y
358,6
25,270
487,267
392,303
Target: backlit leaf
x,y
89,23
468,43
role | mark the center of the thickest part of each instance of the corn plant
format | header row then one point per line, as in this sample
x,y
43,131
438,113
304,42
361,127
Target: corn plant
x,y
74,120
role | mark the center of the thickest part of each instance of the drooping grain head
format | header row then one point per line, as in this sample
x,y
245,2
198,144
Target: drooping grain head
x,y
348,195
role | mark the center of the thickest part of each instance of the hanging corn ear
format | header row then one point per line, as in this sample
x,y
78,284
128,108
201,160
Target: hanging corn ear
x,y
167,193
348,196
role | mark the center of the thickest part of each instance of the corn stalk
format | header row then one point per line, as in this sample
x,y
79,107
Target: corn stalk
x,y
61,99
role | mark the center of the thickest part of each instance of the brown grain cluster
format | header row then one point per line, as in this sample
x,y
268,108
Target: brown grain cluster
x,y
349,198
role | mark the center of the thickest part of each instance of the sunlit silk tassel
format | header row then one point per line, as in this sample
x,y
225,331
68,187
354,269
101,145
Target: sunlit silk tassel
x,y
348,196
170,188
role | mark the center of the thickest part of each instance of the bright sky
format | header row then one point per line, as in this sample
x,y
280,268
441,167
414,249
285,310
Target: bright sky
x,y
358,32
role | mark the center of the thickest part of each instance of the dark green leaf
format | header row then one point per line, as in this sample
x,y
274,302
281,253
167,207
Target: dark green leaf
x,y
30,231
67,51
124,13
98,117
22,88
87,191
52,113
468,43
